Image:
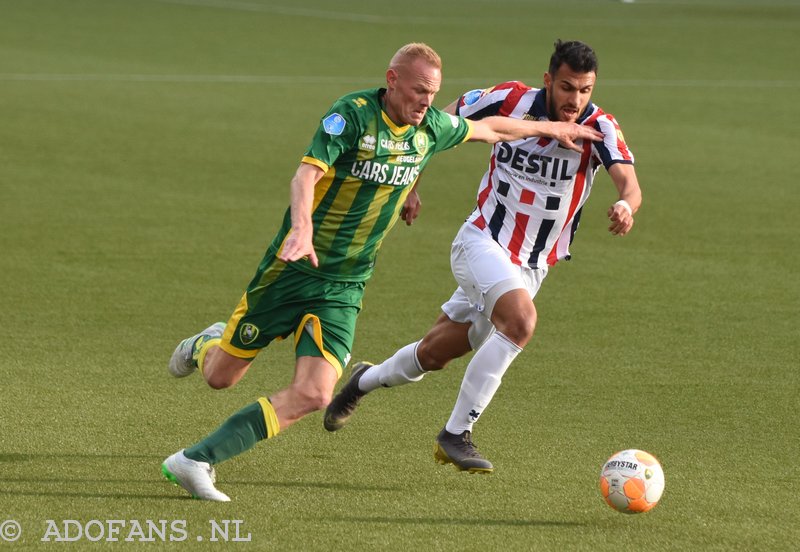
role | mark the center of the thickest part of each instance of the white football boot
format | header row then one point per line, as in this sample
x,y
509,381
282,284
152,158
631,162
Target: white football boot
x,y
183,361
196,477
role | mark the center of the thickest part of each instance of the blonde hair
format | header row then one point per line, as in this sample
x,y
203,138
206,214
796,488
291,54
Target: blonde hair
x,y
415,50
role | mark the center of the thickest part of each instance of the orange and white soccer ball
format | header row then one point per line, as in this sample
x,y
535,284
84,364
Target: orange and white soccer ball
x,y
632,481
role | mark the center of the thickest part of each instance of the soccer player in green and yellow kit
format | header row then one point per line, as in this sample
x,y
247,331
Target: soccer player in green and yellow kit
x,y
353,183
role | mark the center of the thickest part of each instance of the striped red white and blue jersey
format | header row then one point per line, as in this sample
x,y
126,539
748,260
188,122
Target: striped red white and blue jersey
x,y
530,198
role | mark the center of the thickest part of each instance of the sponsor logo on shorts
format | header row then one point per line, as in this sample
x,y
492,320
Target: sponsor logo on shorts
x,y
248,333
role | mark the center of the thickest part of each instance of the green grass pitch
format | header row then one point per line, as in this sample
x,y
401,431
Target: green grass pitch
x,y
146,148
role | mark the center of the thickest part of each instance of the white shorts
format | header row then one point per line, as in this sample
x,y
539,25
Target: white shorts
x,y
484,273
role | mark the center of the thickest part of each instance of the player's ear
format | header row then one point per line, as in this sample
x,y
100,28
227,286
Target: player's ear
x,y
391,77
547,80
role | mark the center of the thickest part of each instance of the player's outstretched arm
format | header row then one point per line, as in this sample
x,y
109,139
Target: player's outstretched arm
x,y
630,198
299,243
505,129
451,108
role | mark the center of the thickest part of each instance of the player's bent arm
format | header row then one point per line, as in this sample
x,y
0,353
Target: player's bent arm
x,y
298,243
505,129
630,198
411,205
624,177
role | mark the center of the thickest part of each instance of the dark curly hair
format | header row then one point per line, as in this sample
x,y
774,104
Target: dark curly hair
x,y
578,55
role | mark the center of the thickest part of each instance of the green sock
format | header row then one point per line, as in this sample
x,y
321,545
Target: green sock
x,y
237,434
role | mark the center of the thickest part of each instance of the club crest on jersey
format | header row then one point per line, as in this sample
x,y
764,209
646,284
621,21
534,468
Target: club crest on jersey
x,y
334,124
248,333
421,142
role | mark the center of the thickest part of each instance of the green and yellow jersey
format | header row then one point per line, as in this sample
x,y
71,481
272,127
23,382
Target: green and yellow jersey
x,y
370,165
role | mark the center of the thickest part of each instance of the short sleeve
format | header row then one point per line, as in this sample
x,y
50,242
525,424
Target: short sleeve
x,y
613,149
480,103
337,133
448,130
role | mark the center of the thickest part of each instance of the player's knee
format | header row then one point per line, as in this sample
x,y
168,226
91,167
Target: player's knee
x,y
519,328
522,331
311,399
217,377
217,380
222,371
527,327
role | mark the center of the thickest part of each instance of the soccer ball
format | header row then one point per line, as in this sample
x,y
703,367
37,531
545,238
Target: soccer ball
x,y
632,481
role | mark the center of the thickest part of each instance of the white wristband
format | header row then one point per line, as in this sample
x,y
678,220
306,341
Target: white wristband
x,y
626,205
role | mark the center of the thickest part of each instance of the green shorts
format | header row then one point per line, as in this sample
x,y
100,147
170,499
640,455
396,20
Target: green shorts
x,y
282,300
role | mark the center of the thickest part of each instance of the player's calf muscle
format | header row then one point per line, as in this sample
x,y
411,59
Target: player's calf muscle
x,y
445,342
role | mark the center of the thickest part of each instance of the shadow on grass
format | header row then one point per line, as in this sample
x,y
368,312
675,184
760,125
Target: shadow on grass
x,y
15,457
20,457
110,495
472,521
234,483
315,485
83,482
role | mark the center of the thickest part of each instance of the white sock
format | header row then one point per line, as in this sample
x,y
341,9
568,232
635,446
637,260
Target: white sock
x,y
481,381
403,367
479,332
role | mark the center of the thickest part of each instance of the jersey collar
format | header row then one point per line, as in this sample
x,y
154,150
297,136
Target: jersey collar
x,y
391,124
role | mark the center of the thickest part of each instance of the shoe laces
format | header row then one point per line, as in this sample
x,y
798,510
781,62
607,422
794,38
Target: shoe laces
x,y
354,397
467,446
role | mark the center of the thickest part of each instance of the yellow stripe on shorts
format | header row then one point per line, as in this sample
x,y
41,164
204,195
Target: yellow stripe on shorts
x,y
316,328
230,328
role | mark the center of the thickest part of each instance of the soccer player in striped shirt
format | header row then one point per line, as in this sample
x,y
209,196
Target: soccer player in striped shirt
x,y
348,192
528,208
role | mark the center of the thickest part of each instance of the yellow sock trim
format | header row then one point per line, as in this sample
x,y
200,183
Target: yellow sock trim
x,y
270,417
201,356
